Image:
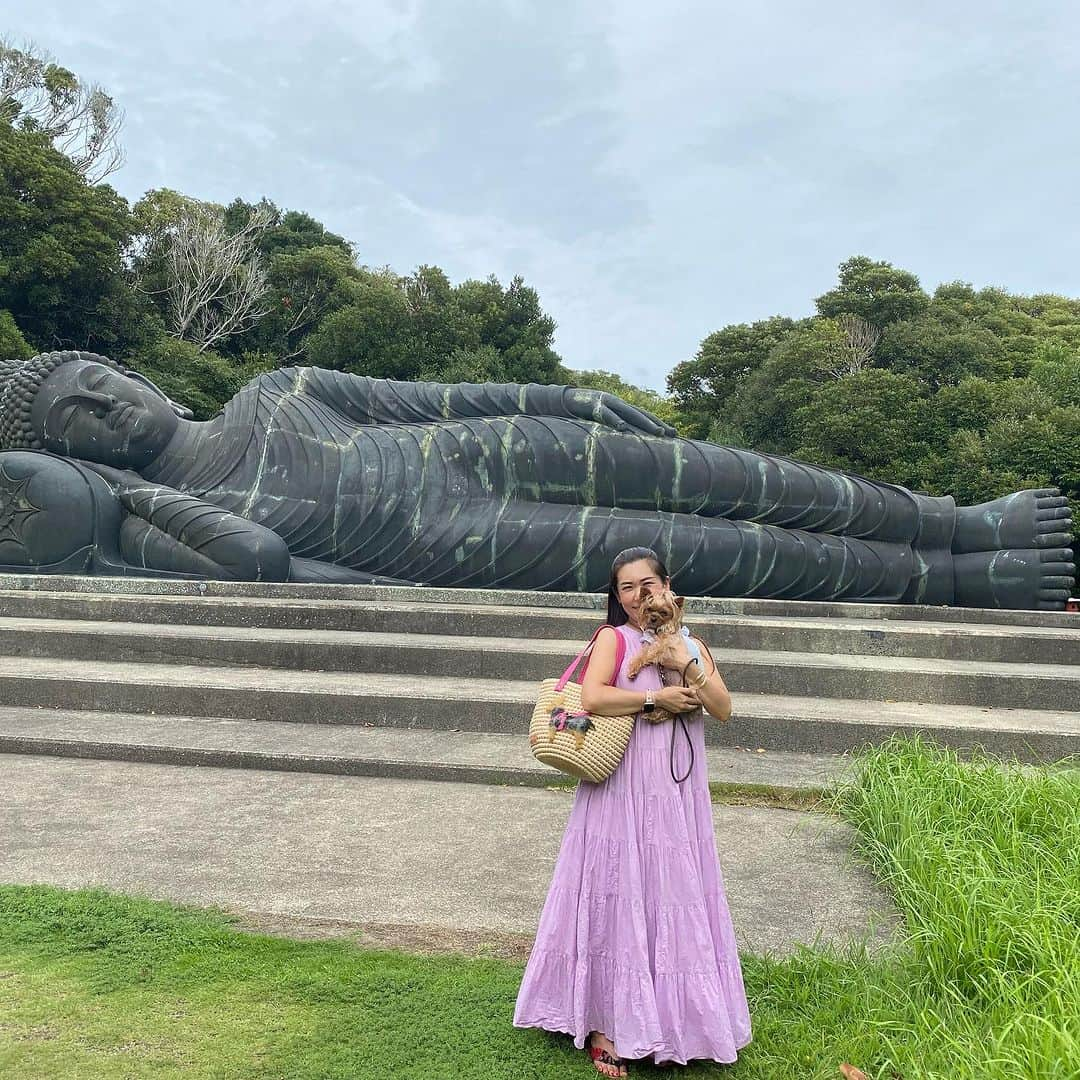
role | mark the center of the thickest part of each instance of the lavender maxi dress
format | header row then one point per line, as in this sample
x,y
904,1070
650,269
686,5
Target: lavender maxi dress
x,y
635,939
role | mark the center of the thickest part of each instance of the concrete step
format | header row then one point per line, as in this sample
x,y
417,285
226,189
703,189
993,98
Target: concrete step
x,y
27,585
883,678
773,633
774,722
459,756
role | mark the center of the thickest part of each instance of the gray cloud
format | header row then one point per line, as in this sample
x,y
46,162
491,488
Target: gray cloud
x,y
654,172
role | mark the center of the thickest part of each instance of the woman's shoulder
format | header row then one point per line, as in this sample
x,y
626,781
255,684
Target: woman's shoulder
x,y
611,633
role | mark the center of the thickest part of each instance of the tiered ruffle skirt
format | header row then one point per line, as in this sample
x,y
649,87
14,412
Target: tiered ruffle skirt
x,y
635,939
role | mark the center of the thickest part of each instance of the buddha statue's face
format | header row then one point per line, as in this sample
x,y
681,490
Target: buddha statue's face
x,y
93,412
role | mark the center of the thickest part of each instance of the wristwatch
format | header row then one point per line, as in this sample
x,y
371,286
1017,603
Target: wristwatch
x,y
650,703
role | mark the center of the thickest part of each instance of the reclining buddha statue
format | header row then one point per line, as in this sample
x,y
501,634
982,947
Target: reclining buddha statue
x,y
316,475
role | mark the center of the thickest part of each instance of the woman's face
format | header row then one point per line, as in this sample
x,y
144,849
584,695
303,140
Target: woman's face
x,y
631,579
93,412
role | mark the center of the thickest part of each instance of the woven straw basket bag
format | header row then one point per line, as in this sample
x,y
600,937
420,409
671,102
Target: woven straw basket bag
x,y
566,737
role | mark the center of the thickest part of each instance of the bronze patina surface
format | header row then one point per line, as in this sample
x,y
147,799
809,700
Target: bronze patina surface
x,y
316,475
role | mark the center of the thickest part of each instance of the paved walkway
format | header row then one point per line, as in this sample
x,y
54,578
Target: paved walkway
x,y
290,847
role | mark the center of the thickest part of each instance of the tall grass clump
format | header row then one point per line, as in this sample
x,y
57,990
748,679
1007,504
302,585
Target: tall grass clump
x,y
984,863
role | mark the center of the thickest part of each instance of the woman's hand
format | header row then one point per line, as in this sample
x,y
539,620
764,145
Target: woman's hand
x,y
677,699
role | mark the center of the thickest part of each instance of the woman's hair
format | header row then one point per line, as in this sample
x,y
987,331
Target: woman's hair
x,y
616,616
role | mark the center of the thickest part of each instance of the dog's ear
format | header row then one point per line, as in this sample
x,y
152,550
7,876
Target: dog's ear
x,y
679,601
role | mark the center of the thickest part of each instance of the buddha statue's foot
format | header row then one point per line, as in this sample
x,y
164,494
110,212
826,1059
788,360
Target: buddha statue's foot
x,y
1037,518
1038,579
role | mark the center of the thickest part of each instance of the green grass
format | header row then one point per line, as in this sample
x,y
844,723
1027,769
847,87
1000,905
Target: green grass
x,y
983,862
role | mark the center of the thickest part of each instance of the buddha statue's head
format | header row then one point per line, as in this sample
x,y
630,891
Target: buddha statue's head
x,y
85,406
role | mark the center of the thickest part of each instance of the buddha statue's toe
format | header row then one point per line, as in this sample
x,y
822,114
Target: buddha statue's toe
x,y
1036,518
1032,578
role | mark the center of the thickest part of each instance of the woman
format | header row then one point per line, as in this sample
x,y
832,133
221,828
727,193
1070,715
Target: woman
x,y
635,954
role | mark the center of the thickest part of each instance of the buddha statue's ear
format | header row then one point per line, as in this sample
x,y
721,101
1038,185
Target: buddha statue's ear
x,y
181,410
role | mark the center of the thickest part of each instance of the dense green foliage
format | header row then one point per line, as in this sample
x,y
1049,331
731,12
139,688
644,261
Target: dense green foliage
x,y
62,242
983,982
969,392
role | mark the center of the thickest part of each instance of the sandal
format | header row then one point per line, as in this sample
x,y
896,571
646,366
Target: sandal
x,y
600,1057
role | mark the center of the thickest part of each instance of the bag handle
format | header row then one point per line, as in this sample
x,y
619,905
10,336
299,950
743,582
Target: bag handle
x,y
620,652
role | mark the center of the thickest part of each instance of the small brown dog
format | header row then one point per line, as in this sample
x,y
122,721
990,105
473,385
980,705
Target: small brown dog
x,y
661,612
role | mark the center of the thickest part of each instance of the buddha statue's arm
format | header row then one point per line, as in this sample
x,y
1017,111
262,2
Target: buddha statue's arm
x,y
169,530
387,401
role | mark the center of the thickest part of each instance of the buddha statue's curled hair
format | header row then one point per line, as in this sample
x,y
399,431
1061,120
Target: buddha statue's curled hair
x,y
20,380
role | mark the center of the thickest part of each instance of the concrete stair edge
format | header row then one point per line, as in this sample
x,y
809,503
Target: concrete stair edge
x,y
457,756
593,602
568,643
203,660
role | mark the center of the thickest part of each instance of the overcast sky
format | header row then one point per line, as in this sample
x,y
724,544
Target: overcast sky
x,y
654,170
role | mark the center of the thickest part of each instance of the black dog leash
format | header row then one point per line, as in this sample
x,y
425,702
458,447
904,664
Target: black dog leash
x,y
671,763
686,733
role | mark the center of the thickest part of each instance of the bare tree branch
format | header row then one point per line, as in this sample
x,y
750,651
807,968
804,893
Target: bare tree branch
x,y
860,340
217,281
81,120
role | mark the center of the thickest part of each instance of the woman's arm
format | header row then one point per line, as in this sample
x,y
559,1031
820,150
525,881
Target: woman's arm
x,y
708,685
365,400
604,700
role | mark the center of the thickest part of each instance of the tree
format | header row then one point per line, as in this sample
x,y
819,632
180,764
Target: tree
x,y
406,327
511,321
436,325
62,245
970,392
309,270
289,231
860,340
483,364
304,286
374,335
875,291
1056,370
13,346
1039,450
868,422
198,378
762,412
80,120
216,281
970,405
702,388
940,352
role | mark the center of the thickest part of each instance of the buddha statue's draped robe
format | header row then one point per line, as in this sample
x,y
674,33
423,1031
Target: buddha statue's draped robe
x,y
405,480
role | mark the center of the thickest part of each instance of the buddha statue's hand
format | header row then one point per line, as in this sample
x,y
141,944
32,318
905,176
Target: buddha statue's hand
x,y
611,411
